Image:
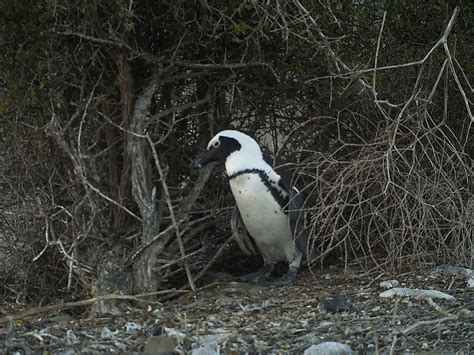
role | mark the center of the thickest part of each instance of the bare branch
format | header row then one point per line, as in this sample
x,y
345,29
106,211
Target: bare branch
x,y
94,39
172,214
220,65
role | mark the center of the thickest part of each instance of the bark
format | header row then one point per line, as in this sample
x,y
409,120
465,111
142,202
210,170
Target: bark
x,y
142,190
126,85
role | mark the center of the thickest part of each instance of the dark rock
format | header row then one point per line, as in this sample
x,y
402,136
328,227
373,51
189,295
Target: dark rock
x,y
332,304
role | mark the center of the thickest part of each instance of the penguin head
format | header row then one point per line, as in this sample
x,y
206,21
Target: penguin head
x,y
235,149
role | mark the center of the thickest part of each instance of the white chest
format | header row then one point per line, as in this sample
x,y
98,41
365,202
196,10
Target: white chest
x,y
262,215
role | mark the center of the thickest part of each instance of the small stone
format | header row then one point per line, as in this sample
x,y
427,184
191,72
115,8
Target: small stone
x,y
160,344
156,330
106,333
470,282
328,348
158,313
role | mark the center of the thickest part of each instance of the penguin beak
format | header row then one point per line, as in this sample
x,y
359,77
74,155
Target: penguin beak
x,y
203,159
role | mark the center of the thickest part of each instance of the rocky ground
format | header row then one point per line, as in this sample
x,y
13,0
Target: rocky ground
x,y
389,313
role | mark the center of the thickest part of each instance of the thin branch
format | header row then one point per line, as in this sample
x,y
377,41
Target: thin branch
x,y
374,81
424,323
220,65
120,127
214,258
180,108
94,39
172,214
355,74
458,82
112,201
338,63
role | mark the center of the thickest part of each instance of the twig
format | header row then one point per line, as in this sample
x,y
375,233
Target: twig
x,y
94,39
458,82
338,63
180,108
423,323
120,127
437,307
355,74
374,76
172,214
46,245
145,245
220,65
392,347
159,236
97,191
375,279
213,259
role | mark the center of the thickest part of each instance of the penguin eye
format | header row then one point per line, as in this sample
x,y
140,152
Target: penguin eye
x,y
216,144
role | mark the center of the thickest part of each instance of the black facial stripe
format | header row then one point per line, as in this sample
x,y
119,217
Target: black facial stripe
x,y
226,148
276,192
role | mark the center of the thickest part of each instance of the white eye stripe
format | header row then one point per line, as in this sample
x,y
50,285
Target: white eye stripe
x,y
216,144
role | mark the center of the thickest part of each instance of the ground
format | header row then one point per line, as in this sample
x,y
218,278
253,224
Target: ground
x,y
230,317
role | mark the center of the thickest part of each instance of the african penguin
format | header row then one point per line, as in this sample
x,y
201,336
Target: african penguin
x,y
267,206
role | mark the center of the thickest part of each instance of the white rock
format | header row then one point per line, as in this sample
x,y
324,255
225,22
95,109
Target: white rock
x,y
329,347
416,293
206,349
71,338
175,333
470,282
106,333
389,284
133,326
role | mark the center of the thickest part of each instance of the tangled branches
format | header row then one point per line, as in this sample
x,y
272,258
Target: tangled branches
x,y
410,206
402,197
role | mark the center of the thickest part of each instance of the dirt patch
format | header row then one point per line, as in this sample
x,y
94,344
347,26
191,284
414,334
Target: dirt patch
x,y
241,317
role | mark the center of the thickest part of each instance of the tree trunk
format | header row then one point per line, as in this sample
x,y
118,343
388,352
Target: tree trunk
x,y
142,190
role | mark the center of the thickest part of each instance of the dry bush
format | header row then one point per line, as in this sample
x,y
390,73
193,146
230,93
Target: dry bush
x,y
387,185
392,206
23,216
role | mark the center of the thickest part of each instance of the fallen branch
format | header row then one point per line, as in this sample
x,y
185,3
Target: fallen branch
x,y
423,323
87,302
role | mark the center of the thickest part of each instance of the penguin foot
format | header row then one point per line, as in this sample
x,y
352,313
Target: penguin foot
x,y
262,274
286,279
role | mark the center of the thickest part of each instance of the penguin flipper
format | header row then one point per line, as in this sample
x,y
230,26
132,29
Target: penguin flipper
x,y
240,234
297,216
